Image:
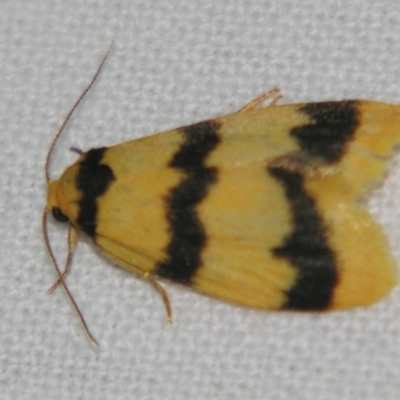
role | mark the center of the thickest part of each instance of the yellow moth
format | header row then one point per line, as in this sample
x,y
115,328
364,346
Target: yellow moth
x,y
262,207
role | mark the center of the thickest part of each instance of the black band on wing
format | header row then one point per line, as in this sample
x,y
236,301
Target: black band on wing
x,y
93,180
188,234
332,126
306,248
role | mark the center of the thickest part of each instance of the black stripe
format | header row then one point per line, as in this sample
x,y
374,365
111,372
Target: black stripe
x,y
306,248
92,180
332,126
188,234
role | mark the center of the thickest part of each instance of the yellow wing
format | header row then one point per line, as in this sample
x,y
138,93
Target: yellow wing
x,y
259,208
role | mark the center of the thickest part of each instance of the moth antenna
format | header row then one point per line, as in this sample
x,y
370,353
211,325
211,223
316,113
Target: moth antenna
x,y
72,237
71,111
60,280
72,242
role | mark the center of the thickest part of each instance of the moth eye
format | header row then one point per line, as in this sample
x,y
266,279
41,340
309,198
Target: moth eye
x,y
58,215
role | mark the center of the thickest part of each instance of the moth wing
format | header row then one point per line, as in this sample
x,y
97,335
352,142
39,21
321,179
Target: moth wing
x,y
249,214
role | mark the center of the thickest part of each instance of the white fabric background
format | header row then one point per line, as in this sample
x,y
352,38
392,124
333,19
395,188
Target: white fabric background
x,y
176,62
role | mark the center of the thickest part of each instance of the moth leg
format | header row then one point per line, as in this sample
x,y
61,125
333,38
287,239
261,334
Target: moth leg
x,y
72,242
254,103
163,294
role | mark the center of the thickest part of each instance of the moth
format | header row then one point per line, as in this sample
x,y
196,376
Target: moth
x,y
262,207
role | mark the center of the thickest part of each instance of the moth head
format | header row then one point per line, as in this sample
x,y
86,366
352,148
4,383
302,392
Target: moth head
x,y
63,196
52,203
